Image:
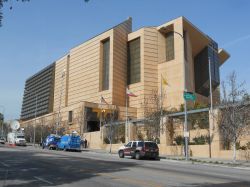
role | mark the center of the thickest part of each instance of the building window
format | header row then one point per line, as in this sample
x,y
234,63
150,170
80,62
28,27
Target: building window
x,y
185,45
70,117
169,46
105,64
134,61
201,69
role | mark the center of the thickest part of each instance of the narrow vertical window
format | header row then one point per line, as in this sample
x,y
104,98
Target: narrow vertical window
x,y
185,45
105,64
70,117
134,61
169,46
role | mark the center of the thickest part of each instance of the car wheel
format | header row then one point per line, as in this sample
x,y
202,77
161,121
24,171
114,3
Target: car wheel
x,y
137,156
121,154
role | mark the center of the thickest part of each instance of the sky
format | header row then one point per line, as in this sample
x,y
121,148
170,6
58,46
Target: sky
x,y
36,33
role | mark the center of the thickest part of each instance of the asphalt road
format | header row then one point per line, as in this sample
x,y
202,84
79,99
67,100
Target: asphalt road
x,y
29,167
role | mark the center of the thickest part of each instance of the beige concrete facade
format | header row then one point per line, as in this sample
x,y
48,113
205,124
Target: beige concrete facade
x,y
78,79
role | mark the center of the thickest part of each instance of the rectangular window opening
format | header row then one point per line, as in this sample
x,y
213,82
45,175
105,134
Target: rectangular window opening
x,y
169,46
70,117
105,64
134,61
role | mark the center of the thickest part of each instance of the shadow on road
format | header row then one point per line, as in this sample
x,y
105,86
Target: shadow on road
x,y
19,168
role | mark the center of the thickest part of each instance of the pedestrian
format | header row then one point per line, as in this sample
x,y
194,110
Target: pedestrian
x,y
85,143
82,143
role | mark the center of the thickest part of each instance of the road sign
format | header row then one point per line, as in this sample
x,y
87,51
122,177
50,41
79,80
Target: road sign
x,y
189,96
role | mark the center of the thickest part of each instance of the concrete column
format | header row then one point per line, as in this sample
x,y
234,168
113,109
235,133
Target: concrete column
x,y
214,133
165,139
129,134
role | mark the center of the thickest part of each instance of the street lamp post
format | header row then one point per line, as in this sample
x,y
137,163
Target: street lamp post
x,y
211,105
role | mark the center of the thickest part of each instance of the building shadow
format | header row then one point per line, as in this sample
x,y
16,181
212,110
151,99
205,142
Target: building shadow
x,y
32,169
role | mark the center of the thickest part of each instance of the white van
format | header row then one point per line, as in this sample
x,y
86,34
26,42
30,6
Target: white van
x,y
16,138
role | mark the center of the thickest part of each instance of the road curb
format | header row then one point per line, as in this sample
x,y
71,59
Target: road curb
x,y
224,165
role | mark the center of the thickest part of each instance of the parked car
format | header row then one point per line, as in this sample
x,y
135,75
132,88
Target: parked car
x,y
70,142
2,140
139,149
51,141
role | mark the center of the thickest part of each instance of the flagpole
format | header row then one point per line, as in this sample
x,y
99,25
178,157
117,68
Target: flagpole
x,y
127,113
101,112
161,102
101,117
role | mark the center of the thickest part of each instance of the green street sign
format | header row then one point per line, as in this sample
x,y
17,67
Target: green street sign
x,y
189,96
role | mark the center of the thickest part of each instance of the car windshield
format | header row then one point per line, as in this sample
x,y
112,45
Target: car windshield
x,y
128,145
151,145
57,139
20,136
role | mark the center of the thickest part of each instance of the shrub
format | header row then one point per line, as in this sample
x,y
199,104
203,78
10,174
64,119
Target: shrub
x,y
179,140
106,140
243,147
200,140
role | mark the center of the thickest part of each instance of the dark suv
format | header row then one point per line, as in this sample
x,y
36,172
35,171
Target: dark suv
x,y
139,149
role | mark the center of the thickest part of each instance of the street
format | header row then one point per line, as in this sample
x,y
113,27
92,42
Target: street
x,y
25,166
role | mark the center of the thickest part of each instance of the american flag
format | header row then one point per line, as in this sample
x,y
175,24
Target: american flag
x,y
131,94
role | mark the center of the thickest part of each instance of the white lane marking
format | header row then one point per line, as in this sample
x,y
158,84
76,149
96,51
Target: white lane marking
x,y
43,180
6,165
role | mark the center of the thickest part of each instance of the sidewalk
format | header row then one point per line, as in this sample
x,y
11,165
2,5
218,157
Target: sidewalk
x,y
211,161
192,160
198,160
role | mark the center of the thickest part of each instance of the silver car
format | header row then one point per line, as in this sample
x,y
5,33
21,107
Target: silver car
x,y
2,140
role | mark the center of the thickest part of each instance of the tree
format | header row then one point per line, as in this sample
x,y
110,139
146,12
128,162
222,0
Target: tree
x,y
234,114
4,1
153,113
81,118
109,121
1,6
